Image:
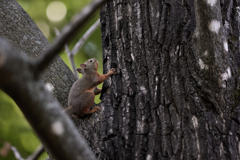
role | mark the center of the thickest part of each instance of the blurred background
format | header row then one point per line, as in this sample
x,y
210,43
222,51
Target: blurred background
x,y
47,14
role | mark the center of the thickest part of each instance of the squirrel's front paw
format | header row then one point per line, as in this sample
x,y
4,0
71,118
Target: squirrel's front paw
x,y
112,71
98,109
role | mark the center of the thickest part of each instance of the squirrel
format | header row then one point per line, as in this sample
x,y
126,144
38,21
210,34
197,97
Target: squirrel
x,y
82,94
96,89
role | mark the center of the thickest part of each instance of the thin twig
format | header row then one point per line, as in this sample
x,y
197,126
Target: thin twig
x,y
86,35
69,54
36,154
71,59
66,34
16,153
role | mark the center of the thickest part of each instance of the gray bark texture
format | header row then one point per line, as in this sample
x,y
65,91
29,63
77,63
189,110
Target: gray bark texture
x,y
176,93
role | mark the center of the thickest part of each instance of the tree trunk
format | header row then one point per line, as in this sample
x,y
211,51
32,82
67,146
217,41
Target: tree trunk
x,y
176,93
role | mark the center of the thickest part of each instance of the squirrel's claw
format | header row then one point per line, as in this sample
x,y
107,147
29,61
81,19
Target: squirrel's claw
x,y
112,71
98,109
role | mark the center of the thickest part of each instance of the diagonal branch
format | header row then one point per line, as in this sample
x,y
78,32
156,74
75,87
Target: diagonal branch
x,y
86,35
67,33
43,112
20,80
78,45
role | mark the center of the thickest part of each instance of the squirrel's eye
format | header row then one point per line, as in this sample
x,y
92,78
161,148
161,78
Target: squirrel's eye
x,y
90,60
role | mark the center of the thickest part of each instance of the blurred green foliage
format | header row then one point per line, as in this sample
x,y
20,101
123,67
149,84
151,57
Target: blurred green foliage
x,y
13,126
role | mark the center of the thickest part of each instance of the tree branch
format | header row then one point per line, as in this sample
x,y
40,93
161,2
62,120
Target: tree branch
x,y
67,33
71,59
83,39
78,45
29,39
43,112
36,153
7,147
69,54
16,153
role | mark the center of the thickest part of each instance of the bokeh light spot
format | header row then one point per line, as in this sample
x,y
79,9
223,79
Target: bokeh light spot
x,y
43,26
56,11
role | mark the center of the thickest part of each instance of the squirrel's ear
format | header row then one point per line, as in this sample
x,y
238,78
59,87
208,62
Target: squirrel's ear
x,y
83,66
79,70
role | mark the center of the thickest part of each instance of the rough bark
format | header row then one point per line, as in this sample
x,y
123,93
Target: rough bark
x,y
176,94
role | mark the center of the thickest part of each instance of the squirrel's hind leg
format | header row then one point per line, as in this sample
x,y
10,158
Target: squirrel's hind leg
x,y
90,98
87,111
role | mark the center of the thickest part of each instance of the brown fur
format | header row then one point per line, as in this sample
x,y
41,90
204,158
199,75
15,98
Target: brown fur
x,y
82,94
96,89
